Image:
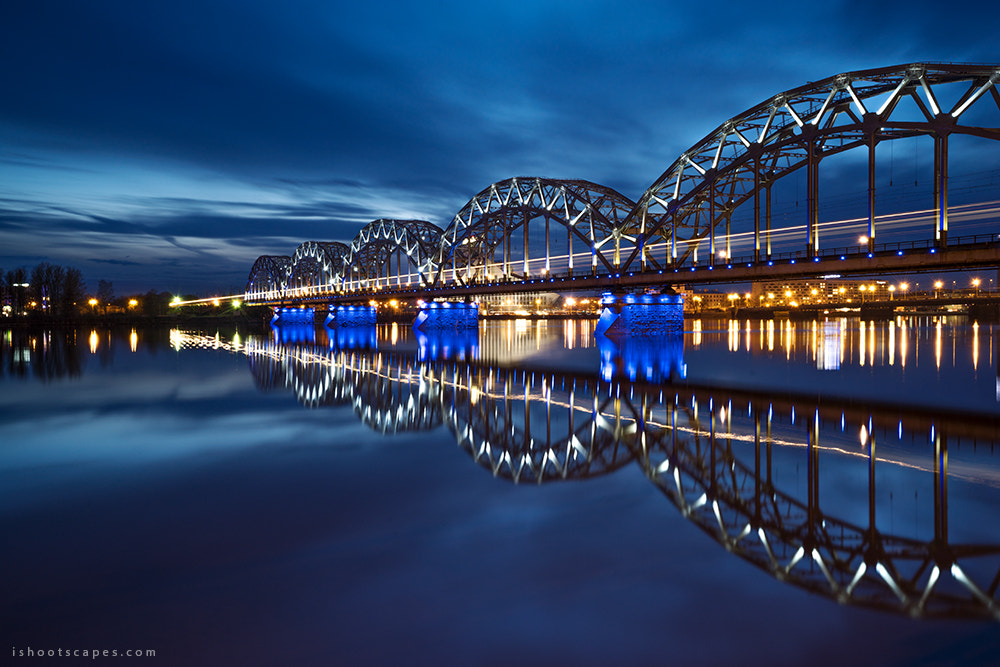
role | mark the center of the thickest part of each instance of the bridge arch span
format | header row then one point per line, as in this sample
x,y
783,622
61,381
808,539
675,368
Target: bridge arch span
x,y
480,242
386,250
690,207
315,266
267,278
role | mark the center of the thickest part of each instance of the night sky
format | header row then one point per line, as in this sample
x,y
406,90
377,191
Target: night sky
x,y
167,145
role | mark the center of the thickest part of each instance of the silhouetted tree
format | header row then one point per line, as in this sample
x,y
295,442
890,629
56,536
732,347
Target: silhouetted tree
x,y
105,293
156,303
47,282
73,292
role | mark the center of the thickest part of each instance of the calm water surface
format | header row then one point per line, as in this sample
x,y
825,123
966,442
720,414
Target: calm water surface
x,y
751,492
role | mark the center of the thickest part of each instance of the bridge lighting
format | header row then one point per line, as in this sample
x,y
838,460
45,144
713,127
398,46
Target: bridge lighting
x,y
863,240
237,303
176,301
215,302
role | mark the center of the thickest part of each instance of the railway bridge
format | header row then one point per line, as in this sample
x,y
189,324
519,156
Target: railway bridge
x,y
742,204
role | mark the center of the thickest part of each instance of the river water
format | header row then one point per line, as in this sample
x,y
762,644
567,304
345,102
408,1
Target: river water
x,y
754,492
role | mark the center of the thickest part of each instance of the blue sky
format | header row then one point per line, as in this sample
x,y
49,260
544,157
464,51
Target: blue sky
x,y
167,145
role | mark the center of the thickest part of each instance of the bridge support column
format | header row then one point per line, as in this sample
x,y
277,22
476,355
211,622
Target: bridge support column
x,y
941,189
871,191
812,201
641,314
447,315
350,316
284,315
756,209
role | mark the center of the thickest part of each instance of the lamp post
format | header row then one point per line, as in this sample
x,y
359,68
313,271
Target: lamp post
x,y
975,284
937,288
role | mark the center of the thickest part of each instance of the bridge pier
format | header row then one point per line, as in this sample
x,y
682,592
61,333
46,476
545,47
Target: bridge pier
x,y
285,315
447,315
641,314
350,316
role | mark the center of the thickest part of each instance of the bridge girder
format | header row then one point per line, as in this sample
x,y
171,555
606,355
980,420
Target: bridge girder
x,y
591,213
380,240
696,197
267,277
794,129
315,265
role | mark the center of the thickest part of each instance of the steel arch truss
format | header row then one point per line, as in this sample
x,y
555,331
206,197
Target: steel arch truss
x,y
695,198
267,278
314,267
382,243
591,214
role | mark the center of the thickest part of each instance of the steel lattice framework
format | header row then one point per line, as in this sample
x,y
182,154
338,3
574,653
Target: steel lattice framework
x,y
267,277
589,213
744,156
412,243
316,266
688,215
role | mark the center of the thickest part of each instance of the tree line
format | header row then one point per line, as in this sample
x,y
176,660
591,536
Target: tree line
x,y
60,291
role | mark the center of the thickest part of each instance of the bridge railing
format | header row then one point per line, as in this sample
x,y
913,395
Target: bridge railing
x,y
863,251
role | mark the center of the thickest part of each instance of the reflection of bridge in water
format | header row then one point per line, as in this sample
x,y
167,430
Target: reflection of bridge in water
x,y
744,467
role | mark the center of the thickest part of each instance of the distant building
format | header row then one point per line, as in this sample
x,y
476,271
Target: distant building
x,y
792,293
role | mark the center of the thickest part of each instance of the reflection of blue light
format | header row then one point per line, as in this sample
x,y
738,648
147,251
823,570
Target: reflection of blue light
x,y
354,338
461,345
660,358
293,332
